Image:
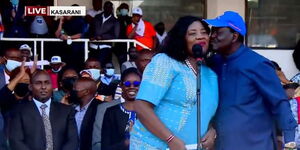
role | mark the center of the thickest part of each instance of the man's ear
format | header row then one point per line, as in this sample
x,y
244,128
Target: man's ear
x,y
30,87
235,37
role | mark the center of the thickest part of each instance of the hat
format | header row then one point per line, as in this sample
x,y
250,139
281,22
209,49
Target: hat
x,y
55,60
229,19
26,47
137,11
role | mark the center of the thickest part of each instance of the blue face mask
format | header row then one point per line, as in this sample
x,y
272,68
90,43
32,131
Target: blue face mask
x,y
14,2
110,72
95,73
12,64
123,12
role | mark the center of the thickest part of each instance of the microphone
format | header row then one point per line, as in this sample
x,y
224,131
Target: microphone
x,y
197,52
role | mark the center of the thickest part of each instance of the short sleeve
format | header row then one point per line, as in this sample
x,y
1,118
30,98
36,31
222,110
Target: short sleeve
x,y
157,79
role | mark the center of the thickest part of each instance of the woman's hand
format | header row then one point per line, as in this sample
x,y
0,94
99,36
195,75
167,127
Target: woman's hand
x,y
209,139
176,144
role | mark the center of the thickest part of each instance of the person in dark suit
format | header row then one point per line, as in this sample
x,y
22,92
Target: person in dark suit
x,y
10,61
83,94
105,27
41,123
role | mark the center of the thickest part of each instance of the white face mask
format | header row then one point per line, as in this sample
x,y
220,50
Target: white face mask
x,y
12,64
95,73
56,71
123,12
110,72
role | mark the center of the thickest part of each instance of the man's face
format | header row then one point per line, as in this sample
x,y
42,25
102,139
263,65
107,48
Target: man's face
x,y
221,39
80,89
97,4
136,18
13,55
92,65
41,87
143,60
108,8
56,66
26,54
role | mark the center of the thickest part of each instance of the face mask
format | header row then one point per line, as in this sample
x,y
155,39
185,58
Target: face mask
x,y
21,89
12,64
124,12
56,71
110,72
95,73
14,2
67,83
74,99
133,57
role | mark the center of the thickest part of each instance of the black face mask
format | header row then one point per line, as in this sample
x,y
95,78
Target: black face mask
x,y
74,99
133,57
67,83
21,89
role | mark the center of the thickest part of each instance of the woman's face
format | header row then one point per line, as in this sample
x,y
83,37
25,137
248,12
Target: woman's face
x,y
130,86
196,34
69,74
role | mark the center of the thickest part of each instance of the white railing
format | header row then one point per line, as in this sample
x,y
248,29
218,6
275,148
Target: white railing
x,y
86,42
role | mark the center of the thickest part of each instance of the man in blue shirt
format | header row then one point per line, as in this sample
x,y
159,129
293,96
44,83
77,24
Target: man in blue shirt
x,y
251,96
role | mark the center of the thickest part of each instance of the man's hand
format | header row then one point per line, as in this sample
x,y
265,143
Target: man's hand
x,y
34,66
290,146
176,144
22,71
63,37
209,139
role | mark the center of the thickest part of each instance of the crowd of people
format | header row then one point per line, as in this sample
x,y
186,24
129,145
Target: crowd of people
x,y
246,100
98,24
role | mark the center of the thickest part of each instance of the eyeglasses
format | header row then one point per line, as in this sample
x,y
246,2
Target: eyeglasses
x,y
134,83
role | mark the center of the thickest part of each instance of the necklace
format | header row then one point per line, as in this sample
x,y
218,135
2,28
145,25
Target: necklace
x,y
190,66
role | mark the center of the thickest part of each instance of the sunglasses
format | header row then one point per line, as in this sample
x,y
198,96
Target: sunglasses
x,y
134,83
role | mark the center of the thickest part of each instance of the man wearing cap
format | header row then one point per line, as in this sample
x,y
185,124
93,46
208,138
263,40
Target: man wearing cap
x,y
251,96
26,52
141,30
56,65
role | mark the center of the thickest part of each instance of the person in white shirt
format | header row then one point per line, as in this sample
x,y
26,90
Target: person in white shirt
x,y
161,34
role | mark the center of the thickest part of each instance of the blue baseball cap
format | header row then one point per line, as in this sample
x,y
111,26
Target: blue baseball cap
x,y
229,19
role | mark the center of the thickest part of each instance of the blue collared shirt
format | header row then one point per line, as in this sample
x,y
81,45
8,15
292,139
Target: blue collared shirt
x,y
39,104
80,115
251,98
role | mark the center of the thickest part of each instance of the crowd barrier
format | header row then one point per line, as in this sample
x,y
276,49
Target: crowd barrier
x,y
85,41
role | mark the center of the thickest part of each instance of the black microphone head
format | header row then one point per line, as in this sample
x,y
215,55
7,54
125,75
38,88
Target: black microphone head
x,y
197,51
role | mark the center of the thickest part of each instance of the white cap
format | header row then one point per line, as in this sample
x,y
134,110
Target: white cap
x,y
26,47
55,60
137,10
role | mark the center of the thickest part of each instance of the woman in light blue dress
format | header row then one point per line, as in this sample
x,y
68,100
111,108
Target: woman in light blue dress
x,y
166,102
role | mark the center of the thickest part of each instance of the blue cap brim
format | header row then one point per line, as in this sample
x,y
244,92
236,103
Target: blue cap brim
x,y
216,23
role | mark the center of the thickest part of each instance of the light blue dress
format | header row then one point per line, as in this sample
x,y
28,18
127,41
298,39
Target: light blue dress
x,y
171,86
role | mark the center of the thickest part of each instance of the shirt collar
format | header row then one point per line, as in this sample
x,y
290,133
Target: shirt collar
x,y
235,54
77,108
38,103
